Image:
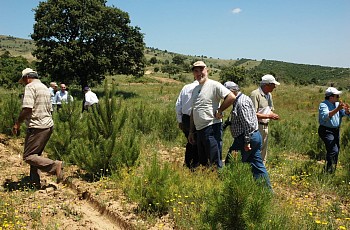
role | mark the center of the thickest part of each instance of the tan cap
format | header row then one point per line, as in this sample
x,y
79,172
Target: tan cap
x,y
199,63
26,72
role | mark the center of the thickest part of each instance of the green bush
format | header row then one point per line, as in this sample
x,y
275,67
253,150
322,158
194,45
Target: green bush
x,y
152,190
240,204
69,126
10,108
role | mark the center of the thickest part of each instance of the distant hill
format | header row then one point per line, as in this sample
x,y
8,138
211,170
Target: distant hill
x,y
17,46
284,71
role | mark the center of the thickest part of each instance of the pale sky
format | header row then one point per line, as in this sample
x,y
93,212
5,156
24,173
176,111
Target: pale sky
x,y
313,32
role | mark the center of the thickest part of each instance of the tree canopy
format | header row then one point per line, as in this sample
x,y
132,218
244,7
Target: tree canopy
x,y
82,40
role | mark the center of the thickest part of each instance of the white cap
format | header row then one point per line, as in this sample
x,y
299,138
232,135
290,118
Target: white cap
x,y
269,79
332,90
231,86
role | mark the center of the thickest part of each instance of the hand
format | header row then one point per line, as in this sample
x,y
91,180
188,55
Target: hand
x,y
247,147
191,138
341,106
16,129
218,114
273,116
347,108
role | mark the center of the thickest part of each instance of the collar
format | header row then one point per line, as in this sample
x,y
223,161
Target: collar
x,y
262,92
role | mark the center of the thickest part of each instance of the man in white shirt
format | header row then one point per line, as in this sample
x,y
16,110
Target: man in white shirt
x,y
183,109
62,96
90,98
207,114
53,89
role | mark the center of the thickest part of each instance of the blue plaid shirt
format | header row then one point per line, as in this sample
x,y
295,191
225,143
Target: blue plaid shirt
x,y
243,117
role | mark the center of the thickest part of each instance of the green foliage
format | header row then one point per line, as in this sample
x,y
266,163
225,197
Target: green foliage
x,y
171,69
235,74
68,126
240,204
166,127
10,69
10,107
153,60
303,74
81,41
152,189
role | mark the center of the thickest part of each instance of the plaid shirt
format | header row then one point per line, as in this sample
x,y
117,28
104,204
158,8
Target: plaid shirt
x,y
243,117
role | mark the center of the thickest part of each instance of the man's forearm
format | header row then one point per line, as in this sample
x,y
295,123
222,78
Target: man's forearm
x,y
25,112
227,102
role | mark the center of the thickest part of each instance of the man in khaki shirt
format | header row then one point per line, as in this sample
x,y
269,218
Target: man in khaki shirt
x,y
36,112
263,103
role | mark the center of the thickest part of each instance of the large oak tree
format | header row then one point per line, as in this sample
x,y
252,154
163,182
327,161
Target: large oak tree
x,y
82,40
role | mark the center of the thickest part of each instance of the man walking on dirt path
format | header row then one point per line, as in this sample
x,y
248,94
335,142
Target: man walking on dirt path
x,y
183,107
36,112
263,103
207,114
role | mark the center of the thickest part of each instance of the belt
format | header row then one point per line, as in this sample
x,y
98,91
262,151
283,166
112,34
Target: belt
x,y
262,123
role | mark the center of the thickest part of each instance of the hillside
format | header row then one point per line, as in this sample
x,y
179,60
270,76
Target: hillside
x,y
302,74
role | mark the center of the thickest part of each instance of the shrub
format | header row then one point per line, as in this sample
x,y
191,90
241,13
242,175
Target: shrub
x,y
152,189
240,204
10,108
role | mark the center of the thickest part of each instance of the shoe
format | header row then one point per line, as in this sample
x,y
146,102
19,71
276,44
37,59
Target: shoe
x,y
59,171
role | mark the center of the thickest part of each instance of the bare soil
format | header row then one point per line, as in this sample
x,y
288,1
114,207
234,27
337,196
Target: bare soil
x,y
75,204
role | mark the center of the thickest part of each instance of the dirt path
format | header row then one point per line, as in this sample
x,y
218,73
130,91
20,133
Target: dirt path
x,y
56,206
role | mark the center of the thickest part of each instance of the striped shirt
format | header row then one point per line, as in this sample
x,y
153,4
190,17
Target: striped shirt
x,y
38,98
243,116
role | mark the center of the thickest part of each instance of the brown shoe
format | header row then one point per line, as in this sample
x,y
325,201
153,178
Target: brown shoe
x,y
59,171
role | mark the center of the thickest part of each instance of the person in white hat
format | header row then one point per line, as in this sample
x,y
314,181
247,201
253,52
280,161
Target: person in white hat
x,y
331,111
245,133
36,112
263,104
207,114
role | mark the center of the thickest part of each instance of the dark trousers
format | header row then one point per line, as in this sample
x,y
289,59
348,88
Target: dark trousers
x,y
209,142
35,142
330,137
191,154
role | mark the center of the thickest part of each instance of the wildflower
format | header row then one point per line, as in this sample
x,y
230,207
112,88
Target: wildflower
x,y
192,202
342,227
310,213
179,202
317,221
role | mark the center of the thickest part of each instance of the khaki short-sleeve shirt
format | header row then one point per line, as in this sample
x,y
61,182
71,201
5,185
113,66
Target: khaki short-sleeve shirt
x,y
37,97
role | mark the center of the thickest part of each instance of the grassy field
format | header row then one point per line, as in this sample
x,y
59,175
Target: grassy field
x,y
304,198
